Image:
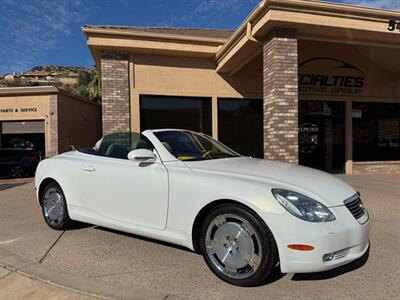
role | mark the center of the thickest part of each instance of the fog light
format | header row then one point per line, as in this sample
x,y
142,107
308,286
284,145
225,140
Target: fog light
x,y
328,257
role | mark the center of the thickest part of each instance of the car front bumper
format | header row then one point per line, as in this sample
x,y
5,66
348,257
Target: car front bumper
x,y
345,239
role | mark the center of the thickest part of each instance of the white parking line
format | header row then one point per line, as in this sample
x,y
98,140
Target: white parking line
x,y
10,241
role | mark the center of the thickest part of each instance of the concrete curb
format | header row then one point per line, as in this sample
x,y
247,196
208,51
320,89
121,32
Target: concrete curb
x,y
16,181
75,282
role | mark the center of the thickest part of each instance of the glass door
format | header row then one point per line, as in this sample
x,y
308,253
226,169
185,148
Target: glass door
x,y
322,135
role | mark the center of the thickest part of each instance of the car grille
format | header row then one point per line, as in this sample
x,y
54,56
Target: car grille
x,y
355,206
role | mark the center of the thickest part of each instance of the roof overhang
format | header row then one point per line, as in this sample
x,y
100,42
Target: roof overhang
x,y
38,91
99,39
313,20
28,91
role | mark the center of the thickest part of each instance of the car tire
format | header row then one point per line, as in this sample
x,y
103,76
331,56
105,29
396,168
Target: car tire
x,y
54,207
238,246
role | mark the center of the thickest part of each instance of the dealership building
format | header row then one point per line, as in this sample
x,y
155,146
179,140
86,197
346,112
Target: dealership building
x,y
47,119
307,82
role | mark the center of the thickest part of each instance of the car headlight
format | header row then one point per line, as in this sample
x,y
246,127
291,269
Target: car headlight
x,y
302,206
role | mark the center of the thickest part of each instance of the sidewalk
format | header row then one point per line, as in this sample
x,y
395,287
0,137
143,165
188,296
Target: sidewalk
x,y
15,286
16,180
23,278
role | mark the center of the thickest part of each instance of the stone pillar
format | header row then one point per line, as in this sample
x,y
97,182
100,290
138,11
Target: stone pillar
x,y
53,126
281,96
115,92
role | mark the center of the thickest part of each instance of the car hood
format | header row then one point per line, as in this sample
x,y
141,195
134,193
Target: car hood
x,y
321,186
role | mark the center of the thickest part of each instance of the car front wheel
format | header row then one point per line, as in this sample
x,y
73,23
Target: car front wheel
x,y
238,246
54,207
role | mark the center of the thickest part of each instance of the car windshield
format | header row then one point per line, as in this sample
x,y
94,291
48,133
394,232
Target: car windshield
x,y
190,146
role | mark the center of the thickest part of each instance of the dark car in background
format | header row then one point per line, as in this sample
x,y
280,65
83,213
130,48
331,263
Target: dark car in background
x,y
17,163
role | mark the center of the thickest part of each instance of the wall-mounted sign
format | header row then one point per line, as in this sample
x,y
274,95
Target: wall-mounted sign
x,y
18,110
327,75
309,128
394,25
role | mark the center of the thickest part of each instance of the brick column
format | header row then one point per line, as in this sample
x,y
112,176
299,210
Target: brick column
x,y
281,96
115,92
53,128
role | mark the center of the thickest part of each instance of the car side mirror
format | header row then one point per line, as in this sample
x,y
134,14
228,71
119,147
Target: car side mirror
x,y
141,155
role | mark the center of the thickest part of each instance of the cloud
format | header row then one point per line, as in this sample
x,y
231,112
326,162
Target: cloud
x,y
30,28
386,4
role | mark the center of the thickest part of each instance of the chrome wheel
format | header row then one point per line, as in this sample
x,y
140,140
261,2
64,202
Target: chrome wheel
x,y
17,172
233,246
53,206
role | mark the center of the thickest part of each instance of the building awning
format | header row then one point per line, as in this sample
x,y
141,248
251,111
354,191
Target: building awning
x,y
311,20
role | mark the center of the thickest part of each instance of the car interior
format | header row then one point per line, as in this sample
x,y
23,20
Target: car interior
x,y
119,145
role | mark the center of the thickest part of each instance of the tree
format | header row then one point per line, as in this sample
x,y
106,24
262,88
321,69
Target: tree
x,y
89,85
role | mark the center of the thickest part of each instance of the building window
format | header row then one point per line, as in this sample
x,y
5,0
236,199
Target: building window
x,y
376,131
240,125
175,112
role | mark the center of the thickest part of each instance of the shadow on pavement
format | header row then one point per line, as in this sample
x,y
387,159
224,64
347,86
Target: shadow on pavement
x,y
80,225
275,276
130,235
335,272
6,186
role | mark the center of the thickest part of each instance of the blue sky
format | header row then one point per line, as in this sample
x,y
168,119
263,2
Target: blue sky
x,y
44,32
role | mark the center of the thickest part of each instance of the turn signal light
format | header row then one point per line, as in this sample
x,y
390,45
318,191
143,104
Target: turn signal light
x,y
300,247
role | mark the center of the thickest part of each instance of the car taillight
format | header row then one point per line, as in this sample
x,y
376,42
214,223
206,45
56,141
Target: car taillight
x,y
29,157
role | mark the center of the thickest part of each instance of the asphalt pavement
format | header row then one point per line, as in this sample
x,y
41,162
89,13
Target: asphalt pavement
x,y
93,262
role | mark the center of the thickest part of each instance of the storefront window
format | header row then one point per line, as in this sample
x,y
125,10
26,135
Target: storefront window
x,y
175,112
240,125
376,131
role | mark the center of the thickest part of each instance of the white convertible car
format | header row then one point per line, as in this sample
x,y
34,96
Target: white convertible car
x,y
245,215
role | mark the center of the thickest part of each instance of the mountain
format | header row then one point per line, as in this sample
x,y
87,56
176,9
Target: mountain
x,y
61,69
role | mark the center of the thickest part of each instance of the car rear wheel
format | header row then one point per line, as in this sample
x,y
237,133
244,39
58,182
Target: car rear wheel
x,y
54,207
238,246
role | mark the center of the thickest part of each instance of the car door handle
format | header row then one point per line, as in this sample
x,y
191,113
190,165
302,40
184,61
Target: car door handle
x,y
88,168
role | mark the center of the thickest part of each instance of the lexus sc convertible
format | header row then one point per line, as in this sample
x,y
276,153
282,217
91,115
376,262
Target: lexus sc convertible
x,y
245,215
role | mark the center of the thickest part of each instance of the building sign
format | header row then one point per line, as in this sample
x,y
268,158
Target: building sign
x,y
18,110
330,76
309,128
394,25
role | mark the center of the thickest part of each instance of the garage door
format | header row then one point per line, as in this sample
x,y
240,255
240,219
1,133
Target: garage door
x,y
23,134
23,127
